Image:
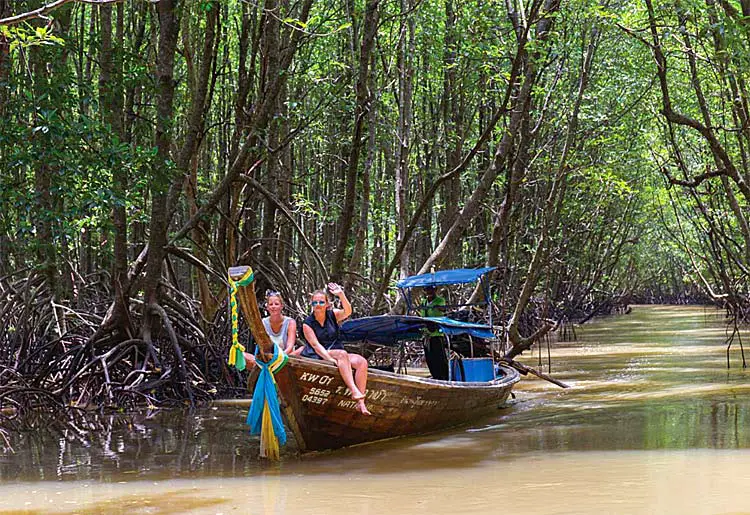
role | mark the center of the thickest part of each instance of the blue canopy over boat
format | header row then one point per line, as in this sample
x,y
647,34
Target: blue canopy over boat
x,y
391,329
441,277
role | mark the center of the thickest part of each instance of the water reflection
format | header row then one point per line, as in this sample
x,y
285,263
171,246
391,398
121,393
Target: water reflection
x,y
208,442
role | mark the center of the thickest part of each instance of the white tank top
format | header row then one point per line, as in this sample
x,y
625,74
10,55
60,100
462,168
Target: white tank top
x,y
280,337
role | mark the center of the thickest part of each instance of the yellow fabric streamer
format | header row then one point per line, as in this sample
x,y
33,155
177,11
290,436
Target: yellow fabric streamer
x,y
269,443
236,356
278,363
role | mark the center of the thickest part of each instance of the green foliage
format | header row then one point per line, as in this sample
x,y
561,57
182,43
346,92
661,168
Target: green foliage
x,y
25,36
615,196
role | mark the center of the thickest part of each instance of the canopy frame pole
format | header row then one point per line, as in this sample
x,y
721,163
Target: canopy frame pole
x,y
448,355
406,294
486,286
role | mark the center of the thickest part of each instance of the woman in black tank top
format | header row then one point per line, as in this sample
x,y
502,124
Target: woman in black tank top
x,y
321,330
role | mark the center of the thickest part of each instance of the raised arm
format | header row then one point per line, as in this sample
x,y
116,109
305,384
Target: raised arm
x,y
341,314
315,344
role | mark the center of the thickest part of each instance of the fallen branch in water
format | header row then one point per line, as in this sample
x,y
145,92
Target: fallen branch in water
x,y
524,370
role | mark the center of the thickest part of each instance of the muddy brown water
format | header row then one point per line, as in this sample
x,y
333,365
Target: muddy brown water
x,y
654,423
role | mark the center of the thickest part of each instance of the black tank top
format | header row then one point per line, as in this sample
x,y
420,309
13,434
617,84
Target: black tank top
x,y
327,334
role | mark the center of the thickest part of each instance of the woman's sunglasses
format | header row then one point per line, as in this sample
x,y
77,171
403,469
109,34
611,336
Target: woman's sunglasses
x,y
318,303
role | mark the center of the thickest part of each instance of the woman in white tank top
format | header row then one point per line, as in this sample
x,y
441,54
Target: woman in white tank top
x,y
281,329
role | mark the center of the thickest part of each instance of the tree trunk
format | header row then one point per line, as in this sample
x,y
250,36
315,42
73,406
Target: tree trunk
x,y
403,132
285,232
363,101
270,68
5,61
739,112
5,67
111,106
360,242
511,98
452,121
162,172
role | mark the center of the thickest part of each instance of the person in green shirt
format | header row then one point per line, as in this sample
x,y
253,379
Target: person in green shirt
x,y
435,305
434,344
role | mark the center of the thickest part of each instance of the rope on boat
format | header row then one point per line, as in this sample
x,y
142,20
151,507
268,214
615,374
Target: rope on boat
x,y
236,356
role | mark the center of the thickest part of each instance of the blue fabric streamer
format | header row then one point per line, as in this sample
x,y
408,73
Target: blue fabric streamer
x,y
265,391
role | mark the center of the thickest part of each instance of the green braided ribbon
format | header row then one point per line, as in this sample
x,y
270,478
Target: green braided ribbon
x,y
236,356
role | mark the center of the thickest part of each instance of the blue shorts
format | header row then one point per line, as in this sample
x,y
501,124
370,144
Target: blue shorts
x,y
309,352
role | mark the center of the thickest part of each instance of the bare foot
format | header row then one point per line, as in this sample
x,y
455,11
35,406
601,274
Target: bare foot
x,y
361,406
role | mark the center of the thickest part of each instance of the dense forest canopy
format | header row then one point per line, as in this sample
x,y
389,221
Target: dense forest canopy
x,y
595,152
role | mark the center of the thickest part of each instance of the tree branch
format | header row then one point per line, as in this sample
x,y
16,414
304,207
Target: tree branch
x,y
696,181
47,8
281,207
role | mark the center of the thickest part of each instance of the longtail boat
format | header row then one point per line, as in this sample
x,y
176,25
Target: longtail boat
x,y
318,408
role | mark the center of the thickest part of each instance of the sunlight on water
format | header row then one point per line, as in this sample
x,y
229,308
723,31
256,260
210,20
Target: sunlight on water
x,y
654,423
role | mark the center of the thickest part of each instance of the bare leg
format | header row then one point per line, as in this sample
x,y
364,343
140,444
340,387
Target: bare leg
x,y
360,378
359,364
345,368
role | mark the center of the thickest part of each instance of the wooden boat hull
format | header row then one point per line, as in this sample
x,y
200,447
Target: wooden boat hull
x,y
321,414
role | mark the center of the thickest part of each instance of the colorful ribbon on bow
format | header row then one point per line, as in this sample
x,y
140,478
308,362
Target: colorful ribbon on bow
x,y
236,356
264,417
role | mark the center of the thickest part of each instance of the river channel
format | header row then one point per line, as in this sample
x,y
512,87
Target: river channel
x,y
653,423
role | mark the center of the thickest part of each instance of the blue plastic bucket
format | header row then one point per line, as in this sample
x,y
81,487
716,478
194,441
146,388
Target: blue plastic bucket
x,y
474,370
